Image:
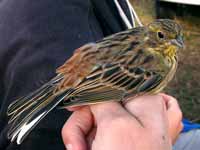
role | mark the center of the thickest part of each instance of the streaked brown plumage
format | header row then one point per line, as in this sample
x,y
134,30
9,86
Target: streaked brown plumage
x,y
130,63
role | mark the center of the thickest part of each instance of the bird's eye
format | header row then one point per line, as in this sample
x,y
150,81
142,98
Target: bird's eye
x,y
161,35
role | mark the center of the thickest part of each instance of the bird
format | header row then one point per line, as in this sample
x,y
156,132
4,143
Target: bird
x,y
130,63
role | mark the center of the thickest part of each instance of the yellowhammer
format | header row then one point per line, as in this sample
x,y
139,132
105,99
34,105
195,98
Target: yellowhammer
x,y
130,63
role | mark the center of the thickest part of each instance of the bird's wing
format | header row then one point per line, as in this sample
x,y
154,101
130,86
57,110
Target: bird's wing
x,y
88,57
113,81
78,66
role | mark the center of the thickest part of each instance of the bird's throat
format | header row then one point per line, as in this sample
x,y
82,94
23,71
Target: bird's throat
x,y
170,51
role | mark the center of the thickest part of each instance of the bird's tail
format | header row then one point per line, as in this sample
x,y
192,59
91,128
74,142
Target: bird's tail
x,y
26,112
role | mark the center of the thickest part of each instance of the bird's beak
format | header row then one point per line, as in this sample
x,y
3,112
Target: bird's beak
x,y
178,42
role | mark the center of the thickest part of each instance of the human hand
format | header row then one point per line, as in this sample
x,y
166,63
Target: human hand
x,y
147,123
174,117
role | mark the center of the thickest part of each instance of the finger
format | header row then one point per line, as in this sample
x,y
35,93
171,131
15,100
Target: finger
x,y
108,111
170,101
166,98
111,113
152,113
148,108
71,108
76,128
91,136
174,115
179,129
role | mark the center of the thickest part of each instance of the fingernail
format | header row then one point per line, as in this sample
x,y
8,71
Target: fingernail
x,y
68,146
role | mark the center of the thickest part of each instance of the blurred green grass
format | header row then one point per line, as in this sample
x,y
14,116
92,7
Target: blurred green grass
x,y
186,84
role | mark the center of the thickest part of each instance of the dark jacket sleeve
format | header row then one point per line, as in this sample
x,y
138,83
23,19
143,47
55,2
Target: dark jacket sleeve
x,y
35,38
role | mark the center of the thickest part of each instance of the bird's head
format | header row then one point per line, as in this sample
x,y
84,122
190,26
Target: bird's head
x,y
165,36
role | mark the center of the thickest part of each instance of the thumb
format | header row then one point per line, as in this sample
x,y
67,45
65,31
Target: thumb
x,y
76,128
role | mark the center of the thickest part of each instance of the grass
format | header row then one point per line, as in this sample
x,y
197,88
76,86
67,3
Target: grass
x,y
186,84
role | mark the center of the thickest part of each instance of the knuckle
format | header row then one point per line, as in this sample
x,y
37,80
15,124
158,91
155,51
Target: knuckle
x,y
159,101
